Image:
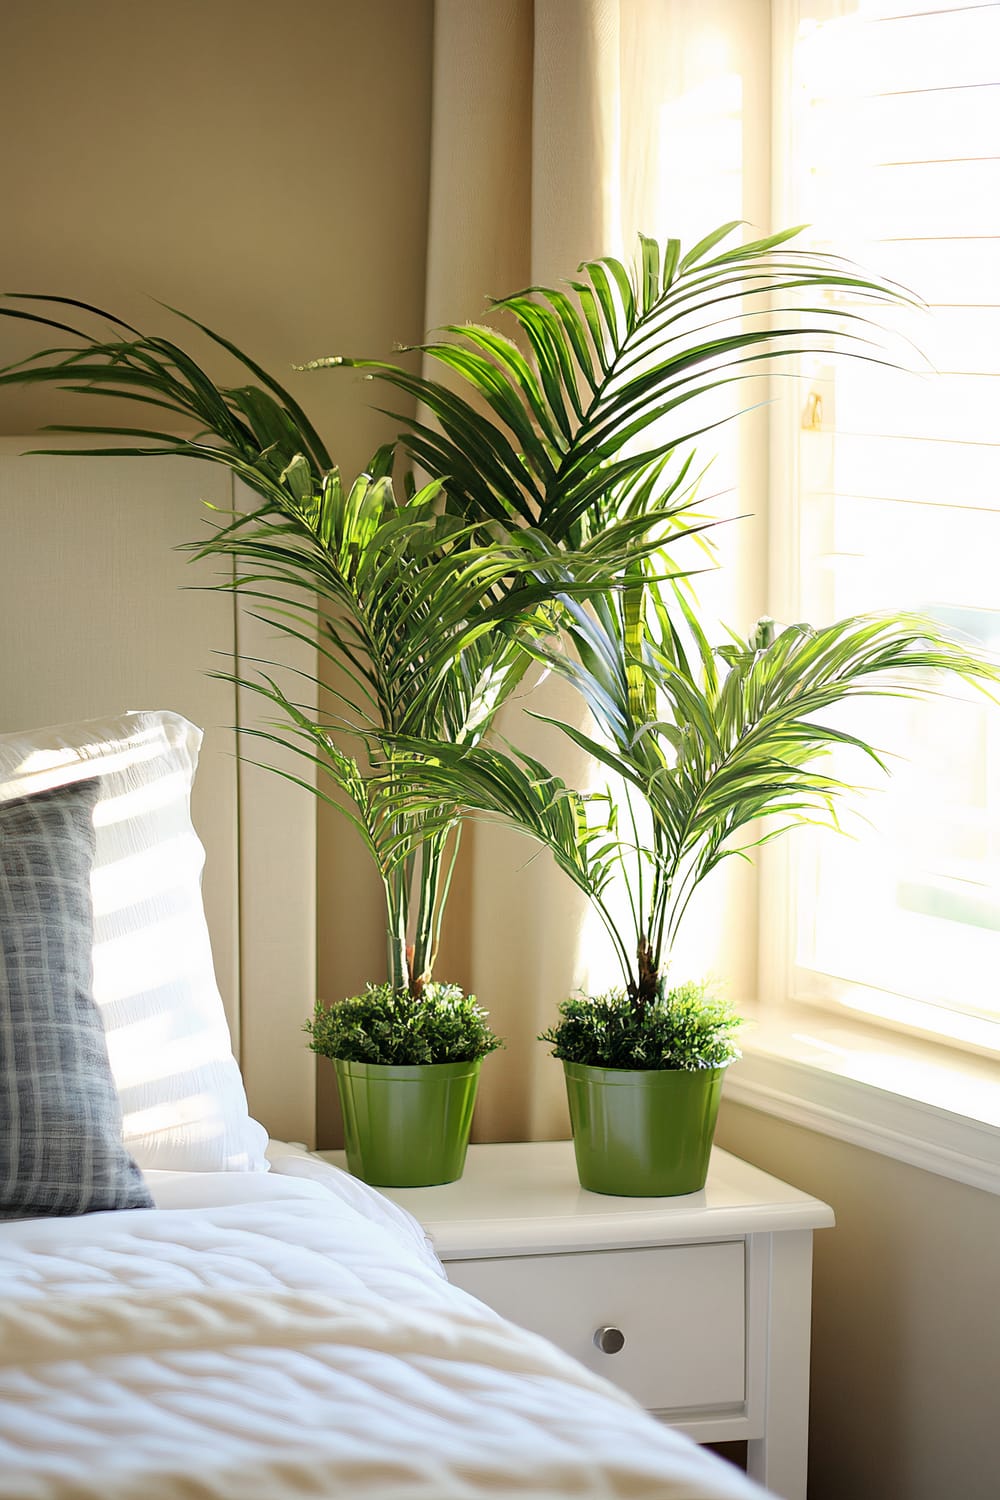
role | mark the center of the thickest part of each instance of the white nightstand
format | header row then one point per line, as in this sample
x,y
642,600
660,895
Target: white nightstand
x,y
702,1303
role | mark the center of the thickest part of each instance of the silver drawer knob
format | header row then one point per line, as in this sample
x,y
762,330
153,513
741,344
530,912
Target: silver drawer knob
x,y
609,1340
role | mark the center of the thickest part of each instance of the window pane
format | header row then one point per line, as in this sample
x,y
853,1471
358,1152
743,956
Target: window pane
x,y
895,153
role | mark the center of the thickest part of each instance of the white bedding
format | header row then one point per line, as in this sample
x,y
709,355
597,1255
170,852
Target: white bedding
x,y
290,1335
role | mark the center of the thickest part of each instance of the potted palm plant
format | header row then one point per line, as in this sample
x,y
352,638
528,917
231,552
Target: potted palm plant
x,y
407,1069
560,440
394,593
545,490
643,1082
703,744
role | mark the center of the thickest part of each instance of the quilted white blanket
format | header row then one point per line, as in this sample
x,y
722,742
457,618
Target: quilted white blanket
x,y
300,1344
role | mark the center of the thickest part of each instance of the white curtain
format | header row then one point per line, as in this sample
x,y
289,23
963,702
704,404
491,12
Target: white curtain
x,y
559,129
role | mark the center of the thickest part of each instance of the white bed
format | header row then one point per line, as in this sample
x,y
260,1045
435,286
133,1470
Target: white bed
x,y
290,1334
184,1314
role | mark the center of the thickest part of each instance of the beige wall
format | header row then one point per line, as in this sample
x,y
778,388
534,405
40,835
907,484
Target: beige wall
x,y
264,168
906,1319
93,622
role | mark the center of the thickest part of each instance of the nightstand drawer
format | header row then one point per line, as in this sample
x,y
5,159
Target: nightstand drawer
x,y
681,1308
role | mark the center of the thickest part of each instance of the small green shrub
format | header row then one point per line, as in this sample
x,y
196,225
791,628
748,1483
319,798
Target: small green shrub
x,y
686,1029
389,1026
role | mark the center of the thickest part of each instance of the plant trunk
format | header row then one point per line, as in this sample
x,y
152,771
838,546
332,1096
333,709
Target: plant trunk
x,y
417,977
396,910
647,988
428,895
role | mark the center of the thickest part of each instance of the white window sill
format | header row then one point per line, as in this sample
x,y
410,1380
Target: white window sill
x,y
926,1104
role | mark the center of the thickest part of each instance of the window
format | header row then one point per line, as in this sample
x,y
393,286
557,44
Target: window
x,y
887,131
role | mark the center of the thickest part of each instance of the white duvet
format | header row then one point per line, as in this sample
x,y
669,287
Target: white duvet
x,y
290,1335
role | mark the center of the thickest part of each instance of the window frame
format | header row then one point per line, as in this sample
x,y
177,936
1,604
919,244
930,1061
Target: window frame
x,y
895,1086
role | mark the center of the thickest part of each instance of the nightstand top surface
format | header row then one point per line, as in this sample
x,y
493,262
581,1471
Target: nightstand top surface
x,y
524,1198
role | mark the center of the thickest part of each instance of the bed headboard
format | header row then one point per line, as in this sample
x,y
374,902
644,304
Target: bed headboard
x,y
101,613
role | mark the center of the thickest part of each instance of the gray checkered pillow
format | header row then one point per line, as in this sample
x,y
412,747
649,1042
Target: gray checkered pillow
x,y
61,1146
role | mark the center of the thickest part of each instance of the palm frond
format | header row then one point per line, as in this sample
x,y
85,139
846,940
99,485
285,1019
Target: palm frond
x,y
708,741
739,734
545,438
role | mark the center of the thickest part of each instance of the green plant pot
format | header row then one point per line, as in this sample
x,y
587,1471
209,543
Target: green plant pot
x,y
642,1134
407,1126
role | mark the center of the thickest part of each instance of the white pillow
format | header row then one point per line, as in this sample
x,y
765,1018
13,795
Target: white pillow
x,y
183,1102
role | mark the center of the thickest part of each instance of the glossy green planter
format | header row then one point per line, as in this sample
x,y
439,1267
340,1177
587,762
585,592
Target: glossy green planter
x,y
642,1134
407,1126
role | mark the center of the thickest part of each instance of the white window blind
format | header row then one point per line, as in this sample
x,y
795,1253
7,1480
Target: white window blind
x,y
888,145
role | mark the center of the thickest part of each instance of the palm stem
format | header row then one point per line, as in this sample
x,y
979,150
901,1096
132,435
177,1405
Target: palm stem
x,y
441,901
635,899
397,902
429,893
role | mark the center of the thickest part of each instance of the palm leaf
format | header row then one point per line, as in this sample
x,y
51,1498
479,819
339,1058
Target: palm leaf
x,y
610,354
736,735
